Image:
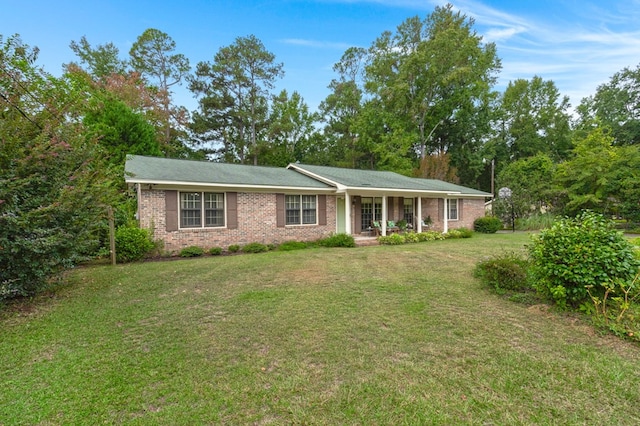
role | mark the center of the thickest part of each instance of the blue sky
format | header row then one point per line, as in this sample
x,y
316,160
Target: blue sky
x,y
578,44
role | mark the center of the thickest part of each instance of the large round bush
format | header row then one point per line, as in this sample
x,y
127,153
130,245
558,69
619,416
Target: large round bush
x,y
132,243
507,271
487,225
579,252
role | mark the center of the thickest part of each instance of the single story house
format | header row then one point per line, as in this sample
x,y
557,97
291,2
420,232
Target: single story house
x,y
186,202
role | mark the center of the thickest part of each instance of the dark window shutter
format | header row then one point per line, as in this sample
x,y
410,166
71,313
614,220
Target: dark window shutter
x,y
280,211
171,210
460,204
322,209
441,211
232,210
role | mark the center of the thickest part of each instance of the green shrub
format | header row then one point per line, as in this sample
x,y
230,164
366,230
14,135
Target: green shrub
x,y
215,251
411,237
465,232
234,248
452,234
392,240
255,248
191,251
577,254
487,225
459,233
506,271
132,243
292,245
338,240
430,236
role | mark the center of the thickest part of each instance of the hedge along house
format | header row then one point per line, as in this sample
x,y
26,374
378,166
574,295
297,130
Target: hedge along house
x,y
185,202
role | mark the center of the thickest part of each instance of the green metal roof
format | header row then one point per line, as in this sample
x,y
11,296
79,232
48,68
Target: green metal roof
x,y
355,178
140,169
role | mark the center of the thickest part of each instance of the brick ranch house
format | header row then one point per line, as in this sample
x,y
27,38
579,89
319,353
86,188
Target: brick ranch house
x,y
185,202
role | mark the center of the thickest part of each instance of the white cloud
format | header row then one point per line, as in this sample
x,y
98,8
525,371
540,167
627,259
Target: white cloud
x,y
316,43
578,49
578,45
498,34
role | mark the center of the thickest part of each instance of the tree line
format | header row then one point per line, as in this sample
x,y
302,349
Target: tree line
x,y
420,101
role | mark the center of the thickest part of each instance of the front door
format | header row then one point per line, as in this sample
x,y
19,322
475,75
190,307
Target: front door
x,y
341,216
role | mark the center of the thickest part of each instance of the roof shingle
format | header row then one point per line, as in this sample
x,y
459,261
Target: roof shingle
x,y
141,169
153,169
355,178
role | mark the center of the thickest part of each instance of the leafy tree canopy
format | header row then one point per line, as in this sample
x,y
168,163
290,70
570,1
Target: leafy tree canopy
x,y
533,118
234,94
616,105
54,183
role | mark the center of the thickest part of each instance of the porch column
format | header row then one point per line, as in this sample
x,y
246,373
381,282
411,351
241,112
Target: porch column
x,y
446,216
384,216
418,220
347,213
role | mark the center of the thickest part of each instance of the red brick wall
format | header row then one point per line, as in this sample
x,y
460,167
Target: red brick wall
x,y
468,210
256,223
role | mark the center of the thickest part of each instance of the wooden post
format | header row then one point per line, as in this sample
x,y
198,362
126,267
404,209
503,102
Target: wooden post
x,y
112,235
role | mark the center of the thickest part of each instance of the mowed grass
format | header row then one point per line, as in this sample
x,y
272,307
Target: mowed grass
x,y
366,336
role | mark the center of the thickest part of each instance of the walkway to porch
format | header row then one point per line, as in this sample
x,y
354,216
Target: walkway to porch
x,y
363,241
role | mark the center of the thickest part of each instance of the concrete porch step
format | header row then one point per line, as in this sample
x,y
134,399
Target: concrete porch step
x,y
366,241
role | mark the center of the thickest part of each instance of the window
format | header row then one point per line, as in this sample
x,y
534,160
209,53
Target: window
x,y
453,209
371,209
213,209
408,210
194,206
300,209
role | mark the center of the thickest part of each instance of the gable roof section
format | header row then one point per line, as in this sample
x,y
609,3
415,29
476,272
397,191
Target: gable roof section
x,y
154,170
382,180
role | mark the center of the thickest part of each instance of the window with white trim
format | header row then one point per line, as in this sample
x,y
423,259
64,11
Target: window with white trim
x,y
300,209
408,210
201,209
452,209
371,210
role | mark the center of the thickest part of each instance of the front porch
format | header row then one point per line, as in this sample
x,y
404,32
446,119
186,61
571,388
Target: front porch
x,y
369,216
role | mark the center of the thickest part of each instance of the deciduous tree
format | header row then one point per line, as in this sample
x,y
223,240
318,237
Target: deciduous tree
x,y
531,182
586,177
616,104
533,118
290,127
54,182
425,75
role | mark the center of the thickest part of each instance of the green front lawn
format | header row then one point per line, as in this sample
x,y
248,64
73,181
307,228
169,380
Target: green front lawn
x,y
375,335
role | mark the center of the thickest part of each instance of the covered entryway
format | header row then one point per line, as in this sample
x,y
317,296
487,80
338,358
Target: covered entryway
x,y
367,209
